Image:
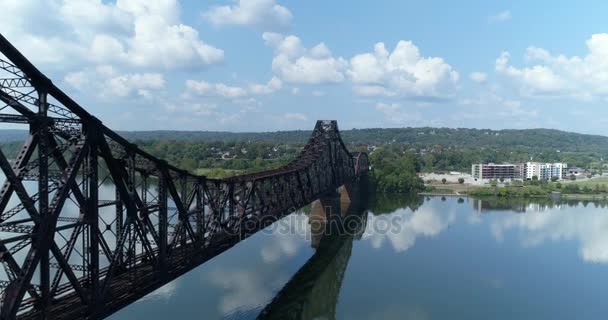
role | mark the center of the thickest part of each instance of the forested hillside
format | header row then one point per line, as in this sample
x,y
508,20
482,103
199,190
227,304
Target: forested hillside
x,y
434,149
417,137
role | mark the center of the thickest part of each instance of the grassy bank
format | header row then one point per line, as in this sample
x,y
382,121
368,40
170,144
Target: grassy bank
x,y
573,192
586,189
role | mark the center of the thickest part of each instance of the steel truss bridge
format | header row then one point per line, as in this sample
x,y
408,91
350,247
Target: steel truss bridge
x,y
69,249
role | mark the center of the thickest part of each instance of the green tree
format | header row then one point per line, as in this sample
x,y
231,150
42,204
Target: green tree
x,y
444,181
461,180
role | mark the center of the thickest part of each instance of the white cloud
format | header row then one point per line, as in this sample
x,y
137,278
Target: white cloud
x,y
478,77
505,108
261,14
500,17
134,33
402,227
583,77
157,43
124,85
403,72
580,224
163,293
193,109
107,83
242,289
204,88
295,116
272,86
294,63
393,113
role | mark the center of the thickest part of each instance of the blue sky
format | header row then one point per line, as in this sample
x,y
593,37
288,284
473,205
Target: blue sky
x,y
257,65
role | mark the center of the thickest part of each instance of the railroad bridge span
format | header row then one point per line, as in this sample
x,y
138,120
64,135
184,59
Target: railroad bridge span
x,y
69,251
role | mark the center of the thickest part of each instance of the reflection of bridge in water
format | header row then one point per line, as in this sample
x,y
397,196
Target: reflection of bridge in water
x,y
68,251
312,293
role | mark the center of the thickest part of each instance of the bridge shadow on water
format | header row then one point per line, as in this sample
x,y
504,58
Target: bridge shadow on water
x,y
313,291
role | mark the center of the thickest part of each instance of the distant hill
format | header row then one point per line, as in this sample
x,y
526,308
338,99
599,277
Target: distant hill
x,y
419,137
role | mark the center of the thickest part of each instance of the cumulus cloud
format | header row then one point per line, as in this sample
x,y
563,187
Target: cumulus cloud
x,y
558,75
261,14
123,85
193,108
135,33
585,226
402,227
500,17
505,108
394,113
294,63
271,86
402,72
478,77
242,288
109,83
204,88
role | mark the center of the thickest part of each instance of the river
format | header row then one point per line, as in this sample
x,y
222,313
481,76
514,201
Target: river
x,y
418,258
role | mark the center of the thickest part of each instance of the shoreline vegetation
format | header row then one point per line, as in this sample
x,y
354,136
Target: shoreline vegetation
x,y
591,189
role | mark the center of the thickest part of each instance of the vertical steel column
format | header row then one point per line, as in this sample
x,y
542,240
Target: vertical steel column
x,y
43,196
144,190
199,208
132,243
230,201
162,215
183,214
92,216
119,224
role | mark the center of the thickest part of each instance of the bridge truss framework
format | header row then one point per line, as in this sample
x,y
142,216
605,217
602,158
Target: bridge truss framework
x,y
69,251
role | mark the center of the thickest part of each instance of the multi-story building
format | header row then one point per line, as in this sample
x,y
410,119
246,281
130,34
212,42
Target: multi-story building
x,y
545,171
497,171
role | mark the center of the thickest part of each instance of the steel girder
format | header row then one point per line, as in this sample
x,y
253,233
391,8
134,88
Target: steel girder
x,y
69,251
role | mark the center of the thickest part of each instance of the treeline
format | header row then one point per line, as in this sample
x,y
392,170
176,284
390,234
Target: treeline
x,y
236,156
438,158
397,154
417,138
395,172
540,190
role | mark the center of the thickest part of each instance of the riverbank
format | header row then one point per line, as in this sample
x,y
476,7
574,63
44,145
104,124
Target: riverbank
x,y
524,192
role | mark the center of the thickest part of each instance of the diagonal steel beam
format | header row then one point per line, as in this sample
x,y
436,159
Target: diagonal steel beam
x,y
45,229
22,159
17,186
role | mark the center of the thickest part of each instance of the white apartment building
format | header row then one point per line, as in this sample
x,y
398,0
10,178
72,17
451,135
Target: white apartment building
x,y
545,171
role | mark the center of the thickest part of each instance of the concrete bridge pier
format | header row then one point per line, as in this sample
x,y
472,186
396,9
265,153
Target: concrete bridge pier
x,y
328,211
323,211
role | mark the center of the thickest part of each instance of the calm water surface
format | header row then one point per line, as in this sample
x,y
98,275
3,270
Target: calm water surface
x,y
440,259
